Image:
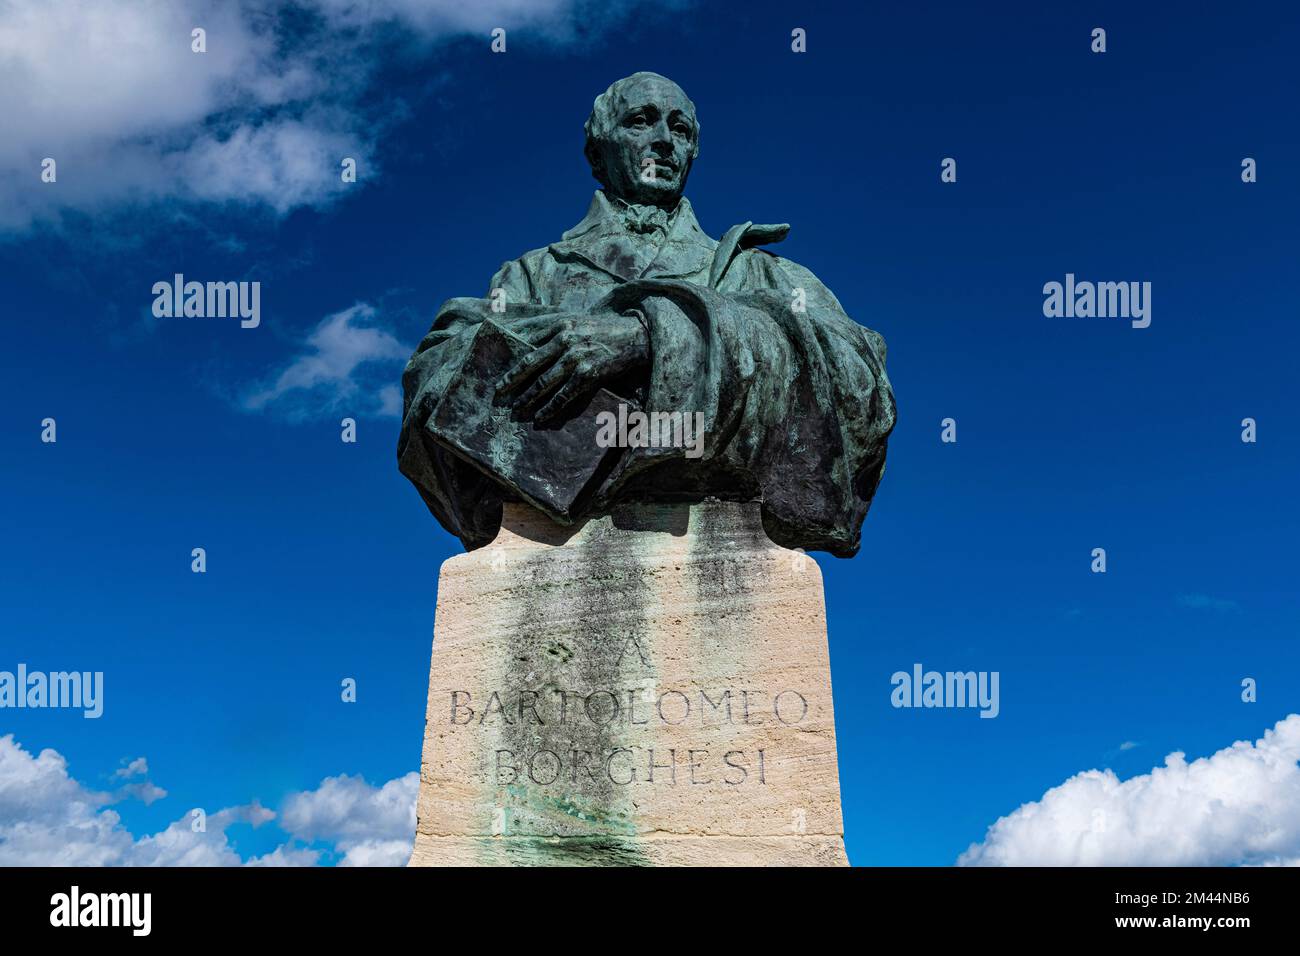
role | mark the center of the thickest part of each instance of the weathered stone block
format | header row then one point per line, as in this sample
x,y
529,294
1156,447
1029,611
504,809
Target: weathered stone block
x,y
651,687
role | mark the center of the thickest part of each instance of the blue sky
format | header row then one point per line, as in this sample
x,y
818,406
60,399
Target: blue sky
x,y
1073,434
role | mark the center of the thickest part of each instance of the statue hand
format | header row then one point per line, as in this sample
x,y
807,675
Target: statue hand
x,y
573,358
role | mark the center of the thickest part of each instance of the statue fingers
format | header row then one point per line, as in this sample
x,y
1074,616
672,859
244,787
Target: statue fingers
x,y
550,380
539,329
528,366
573,389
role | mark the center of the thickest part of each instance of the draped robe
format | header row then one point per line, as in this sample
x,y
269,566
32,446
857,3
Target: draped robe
x,y
796,403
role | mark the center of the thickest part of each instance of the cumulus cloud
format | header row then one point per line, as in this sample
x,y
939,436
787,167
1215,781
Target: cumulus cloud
x,y
1240,806
287,856
370,826
48,818
113,92
181,845
346,365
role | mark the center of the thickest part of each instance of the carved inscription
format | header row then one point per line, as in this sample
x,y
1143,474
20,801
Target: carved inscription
x,y
547,718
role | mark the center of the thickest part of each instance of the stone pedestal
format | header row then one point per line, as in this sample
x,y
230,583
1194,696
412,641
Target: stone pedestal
x,y
648,688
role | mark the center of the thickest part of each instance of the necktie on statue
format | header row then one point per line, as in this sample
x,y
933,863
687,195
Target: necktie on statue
x,y
644,219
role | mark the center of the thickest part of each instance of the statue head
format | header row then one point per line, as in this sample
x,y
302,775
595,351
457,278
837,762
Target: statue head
x,y
642,137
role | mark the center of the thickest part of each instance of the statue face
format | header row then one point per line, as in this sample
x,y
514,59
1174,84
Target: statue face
x,y
653,120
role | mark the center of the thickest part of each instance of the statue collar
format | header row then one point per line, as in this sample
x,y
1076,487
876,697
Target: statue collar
x,y
604,240
608,214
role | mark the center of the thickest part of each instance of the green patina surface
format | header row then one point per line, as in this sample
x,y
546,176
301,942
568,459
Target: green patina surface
x,y
638,305
580,658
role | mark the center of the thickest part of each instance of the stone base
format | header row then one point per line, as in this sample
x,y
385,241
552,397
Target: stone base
x,y
648,688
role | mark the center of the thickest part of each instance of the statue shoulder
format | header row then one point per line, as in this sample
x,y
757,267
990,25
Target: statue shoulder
x,y
519,275
764,269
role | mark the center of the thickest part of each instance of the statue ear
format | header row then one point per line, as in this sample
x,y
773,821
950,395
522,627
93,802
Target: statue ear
x,y
592,152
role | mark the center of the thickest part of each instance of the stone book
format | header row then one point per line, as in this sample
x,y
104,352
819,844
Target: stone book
x,y
554,468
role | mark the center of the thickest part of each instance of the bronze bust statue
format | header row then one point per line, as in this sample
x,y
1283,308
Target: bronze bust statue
x,y
762,387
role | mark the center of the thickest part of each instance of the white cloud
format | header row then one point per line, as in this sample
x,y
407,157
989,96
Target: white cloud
x,y
139,766
1239,806
113,92
284,164
378,852
47,818
180,845
287,856
345,367
146,791
390,402
370,826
